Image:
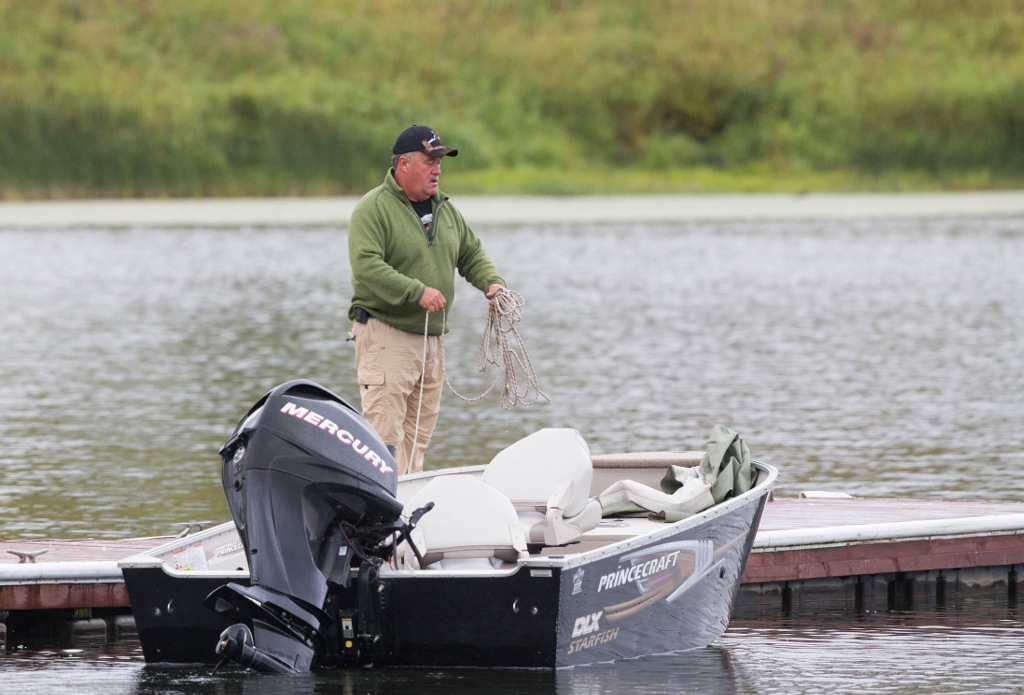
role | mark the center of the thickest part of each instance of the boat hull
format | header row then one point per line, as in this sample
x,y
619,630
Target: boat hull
x,y
672,592
667,590
173,625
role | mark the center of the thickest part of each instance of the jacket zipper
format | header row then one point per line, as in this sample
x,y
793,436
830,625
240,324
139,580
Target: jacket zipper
x,y
433,225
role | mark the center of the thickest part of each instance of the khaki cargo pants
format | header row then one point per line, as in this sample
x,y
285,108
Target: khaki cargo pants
x,y
389,364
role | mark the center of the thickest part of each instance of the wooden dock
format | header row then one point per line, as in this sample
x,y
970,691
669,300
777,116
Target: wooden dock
x,y
52,590
862,554
810,555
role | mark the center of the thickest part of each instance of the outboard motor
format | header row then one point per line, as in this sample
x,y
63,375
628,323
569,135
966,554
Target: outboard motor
x,y
311,488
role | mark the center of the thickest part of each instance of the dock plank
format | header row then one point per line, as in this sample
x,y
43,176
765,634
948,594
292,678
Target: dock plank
x,y
78,550
793,513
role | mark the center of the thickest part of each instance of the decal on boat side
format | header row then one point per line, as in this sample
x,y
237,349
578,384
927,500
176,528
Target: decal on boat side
x,y
663,572
577,582
346,437
587,624
227,548
578,645
191,557
635,572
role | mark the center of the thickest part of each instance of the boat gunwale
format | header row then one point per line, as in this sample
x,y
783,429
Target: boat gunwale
x,y
561,561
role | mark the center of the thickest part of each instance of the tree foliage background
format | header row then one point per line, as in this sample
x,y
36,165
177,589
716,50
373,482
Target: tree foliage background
x,y
221,97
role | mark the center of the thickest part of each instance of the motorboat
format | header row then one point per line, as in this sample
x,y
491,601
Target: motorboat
x,y
331,559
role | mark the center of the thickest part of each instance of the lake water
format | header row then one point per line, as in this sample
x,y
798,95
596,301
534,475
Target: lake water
x,y
971,650
878,358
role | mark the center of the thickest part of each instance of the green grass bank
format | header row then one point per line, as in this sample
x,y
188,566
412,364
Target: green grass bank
x,y
148,98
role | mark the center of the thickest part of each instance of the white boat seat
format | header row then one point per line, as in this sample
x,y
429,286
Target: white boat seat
x,y
548,475
469,521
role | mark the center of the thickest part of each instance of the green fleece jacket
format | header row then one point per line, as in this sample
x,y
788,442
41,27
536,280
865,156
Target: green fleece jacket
x,y
394,259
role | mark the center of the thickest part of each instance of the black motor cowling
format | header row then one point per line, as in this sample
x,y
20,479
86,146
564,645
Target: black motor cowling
x,y
311,488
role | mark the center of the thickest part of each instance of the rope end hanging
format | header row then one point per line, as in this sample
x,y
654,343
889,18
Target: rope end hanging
x,y
506,310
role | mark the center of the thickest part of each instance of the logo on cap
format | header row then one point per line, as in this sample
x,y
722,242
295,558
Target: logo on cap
x,y
428,147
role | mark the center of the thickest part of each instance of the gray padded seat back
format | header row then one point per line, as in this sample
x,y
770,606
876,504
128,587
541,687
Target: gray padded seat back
x,y
548,476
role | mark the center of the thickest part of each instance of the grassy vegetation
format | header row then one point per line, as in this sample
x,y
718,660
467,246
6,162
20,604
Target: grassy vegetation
x,y
304,97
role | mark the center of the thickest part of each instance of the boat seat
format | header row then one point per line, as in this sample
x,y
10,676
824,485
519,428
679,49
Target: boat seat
x,y
472,525
548,476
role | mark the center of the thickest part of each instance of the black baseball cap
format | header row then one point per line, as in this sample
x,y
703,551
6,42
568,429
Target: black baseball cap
x,y
420,138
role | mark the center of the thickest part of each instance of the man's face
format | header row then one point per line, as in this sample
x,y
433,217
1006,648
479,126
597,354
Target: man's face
x,y
419,176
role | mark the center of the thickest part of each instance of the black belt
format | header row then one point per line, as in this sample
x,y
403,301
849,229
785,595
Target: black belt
x,y
361,315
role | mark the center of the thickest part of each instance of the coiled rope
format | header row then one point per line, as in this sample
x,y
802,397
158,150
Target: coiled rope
x,y
506,310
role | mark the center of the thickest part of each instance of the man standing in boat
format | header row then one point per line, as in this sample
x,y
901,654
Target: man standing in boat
x,y
405,242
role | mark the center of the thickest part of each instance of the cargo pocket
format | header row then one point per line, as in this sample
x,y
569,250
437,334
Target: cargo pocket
x,y
373,397
369,361
371,377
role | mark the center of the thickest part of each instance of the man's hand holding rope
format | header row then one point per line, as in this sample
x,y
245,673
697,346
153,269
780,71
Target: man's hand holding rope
x,y
432,300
